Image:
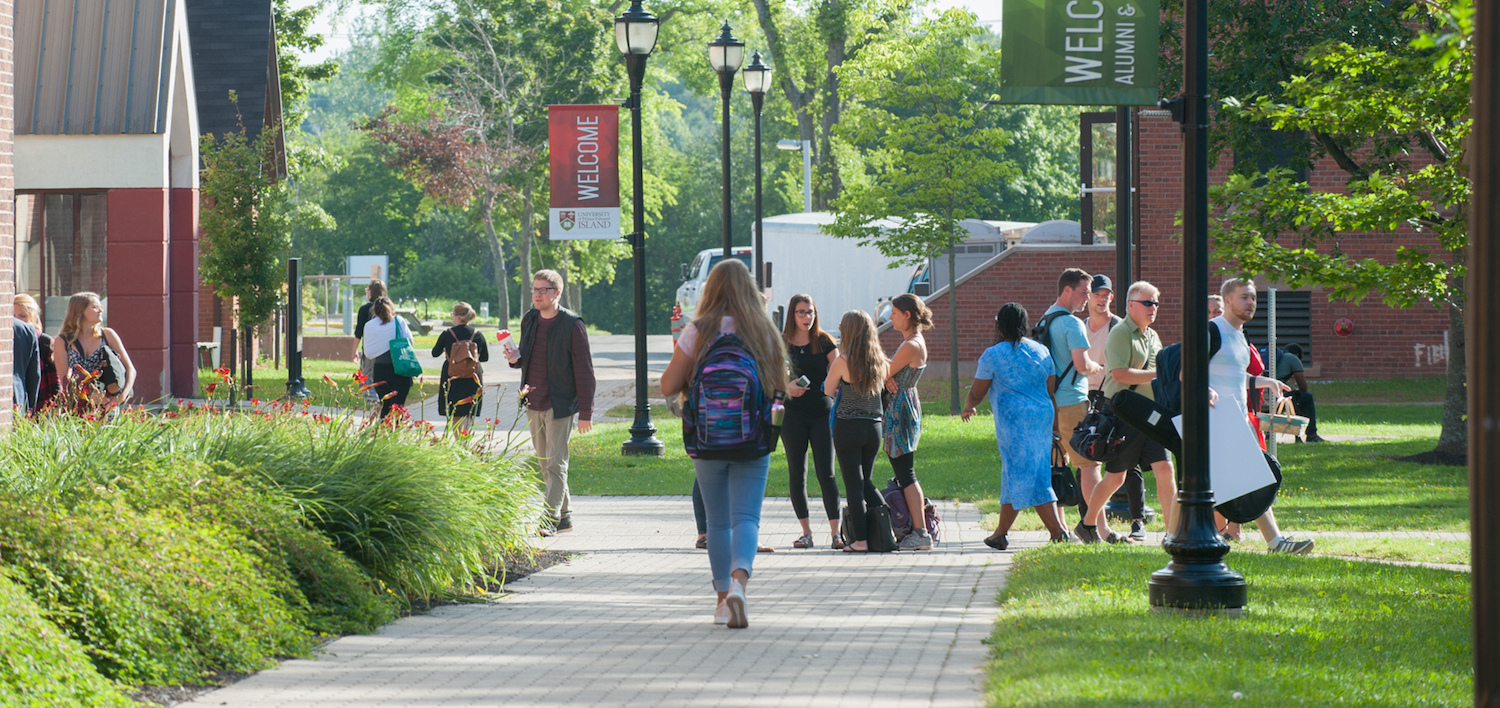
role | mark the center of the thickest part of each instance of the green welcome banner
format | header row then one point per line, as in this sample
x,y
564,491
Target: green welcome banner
x,y
1080,52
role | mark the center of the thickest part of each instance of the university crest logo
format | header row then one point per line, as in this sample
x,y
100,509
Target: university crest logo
x,y
567,219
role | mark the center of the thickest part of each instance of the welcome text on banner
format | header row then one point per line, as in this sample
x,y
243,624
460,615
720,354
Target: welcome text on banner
x,y
584,142
1080,52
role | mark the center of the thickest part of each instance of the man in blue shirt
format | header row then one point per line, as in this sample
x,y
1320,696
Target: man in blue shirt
x,y
1068,340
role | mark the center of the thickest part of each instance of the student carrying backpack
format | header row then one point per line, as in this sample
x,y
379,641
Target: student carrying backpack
x,y
731,363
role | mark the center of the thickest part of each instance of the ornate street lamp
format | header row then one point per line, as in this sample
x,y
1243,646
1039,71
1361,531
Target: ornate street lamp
x,y
725,54
635,33
1197,577
757,80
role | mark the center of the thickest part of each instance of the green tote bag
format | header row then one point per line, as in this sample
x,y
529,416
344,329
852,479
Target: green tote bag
x,y
403,359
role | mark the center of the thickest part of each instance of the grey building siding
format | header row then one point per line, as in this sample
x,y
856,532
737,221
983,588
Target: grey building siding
x,y
92,66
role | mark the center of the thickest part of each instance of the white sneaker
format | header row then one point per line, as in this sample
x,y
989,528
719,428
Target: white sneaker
x,y
1283,544
734,604
721,613
918,540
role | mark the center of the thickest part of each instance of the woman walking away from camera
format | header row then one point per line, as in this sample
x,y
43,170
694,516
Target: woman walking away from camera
x,y
379,331
462,379
1015,373
25,308
807,428
374,291
87,345
856,376
732,489
903,417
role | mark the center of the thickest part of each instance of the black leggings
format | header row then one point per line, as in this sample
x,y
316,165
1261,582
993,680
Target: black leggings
x,y
385,373
856,441
799,432
906,469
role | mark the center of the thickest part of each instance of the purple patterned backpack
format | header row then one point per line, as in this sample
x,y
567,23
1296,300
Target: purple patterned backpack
x,y
727,415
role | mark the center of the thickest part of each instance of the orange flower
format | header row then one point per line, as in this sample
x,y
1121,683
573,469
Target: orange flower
x,y
330,381
367,387
389,396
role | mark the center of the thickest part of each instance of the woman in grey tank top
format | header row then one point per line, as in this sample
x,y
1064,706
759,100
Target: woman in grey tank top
x,y
857,376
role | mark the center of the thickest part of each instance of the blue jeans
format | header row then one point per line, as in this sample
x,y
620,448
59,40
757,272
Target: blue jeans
x,y
732,494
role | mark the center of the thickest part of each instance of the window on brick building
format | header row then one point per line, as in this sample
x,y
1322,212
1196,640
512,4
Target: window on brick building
x,y
1293,321
1273,149
61,249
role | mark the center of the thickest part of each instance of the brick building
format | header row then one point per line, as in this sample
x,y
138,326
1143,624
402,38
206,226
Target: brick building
x,y
7,198
1385,342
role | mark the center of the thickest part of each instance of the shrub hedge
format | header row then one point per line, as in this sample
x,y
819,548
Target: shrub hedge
x,y
42,666
168,548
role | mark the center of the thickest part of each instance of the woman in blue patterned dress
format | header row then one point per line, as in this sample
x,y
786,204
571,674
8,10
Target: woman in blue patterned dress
x,y
1015,374
903,417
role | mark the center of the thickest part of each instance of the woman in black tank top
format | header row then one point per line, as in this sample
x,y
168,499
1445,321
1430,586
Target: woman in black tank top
x,y
806,428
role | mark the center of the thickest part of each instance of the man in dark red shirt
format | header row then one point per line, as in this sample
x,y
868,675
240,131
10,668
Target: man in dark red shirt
x,y
557,373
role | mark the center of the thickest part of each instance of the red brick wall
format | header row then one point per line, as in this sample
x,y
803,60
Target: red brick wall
x,y
1026,274
1386,342
139,222
7,202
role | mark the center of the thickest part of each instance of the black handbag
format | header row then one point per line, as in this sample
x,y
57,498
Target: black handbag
x,y
882,538
1064,484
1100,436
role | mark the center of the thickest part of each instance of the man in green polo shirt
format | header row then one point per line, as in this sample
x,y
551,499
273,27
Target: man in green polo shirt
x,y
1130,360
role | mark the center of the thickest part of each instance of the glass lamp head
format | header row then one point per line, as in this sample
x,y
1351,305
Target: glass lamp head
x,y
726,53
635,30
757,76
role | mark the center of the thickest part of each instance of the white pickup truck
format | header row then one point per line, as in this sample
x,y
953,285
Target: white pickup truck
x,y
693,278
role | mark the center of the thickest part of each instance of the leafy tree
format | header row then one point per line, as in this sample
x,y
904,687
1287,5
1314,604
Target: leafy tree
x,y
1258,47
246,226
1396,121
920,97
455,164
829,34
292,38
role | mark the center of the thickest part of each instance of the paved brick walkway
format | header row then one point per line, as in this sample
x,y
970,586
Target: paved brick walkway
x,y
629,622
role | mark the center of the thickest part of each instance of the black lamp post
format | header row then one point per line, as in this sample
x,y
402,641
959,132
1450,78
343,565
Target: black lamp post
x,y
635,33
725,54
1196,577
757,80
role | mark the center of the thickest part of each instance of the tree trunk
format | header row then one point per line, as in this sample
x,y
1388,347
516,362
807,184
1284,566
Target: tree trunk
x,y
528,228
953,404
833,184
502,282
1453,441
564,255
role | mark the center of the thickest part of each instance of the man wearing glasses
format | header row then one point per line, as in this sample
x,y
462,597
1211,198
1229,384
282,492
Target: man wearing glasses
x,y
557,377
1130,359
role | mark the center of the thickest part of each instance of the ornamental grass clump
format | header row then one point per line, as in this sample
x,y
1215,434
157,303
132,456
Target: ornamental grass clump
x,y
425,515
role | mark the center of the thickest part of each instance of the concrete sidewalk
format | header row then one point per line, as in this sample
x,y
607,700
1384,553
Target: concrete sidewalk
x,y
629,622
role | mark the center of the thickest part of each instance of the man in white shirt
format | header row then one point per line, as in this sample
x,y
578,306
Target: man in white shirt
x,y
1226,375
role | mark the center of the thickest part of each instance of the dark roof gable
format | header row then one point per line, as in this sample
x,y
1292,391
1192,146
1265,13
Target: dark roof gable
x,y
233,49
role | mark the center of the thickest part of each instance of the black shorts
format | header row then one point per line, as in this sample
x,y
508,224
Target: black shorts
x,y
1141,451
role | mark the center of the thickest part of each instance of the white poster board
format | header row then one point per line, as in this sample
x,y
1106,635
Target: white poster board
x,y
1236,465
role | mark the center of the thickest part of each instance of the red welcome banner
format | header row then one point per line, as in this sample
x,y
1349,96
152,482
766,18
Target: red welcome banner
x,y
584,142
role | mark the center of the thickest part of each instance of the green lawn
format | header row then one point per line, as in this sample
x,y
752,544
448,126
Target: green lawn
x,y
1410,390
1348,486
270,383
1075,630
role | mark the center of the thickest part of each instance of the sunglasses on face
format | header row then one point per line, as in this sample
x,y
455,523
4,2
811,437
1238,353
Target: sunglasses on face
x,y
806,313
539,291
1148,303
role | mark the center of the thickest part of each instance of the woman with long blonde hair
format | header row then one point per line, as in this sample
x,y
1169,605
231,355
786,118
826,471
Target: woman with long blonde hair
x,y
857,377
84,338
732,490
